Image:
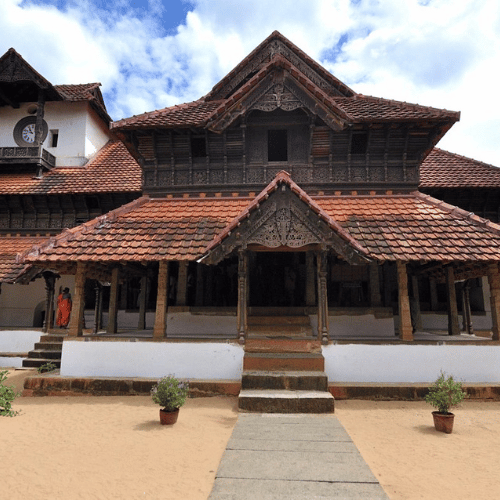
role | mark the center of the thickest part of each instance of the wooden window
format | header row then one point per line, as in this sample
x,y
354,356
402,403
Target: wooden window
x,y
277,145
198,147
359,143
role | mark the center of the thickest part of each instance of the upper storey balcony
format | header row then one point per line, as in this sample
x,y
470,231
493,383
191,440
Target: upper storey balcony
x,y
27,155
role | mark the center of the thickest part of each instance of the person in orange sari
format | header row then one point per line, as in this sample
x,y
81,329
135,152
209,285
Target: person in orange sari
x,y
63,308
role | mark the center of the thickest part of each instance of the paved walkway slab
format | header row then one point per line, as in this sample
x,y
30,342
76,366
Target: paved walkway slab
x,y
274,456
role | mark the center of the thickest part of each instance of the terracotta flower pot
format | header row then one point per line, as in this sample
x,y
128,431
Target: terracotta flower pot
x,y
443,422
168,417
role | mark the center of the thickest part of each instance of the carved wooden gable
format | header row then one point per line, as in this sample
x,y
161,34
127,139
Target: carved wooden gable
x,y
283,220
279,89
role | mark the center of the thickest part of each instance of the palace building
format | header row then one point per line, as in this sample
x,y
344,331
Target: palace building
x,y
280,205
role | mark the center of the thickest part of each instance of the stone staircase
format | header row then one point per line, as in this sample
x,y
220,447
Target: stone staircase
x,y
284,376
269,325
48,350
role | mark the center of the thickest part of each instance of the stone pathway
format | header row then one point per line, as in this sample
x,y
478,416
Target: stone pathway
x,y
292,456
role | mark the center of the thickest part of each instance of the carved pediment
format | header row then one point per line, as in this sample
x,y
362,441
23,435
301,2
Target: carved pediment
x,y
286,226
278,97
283,219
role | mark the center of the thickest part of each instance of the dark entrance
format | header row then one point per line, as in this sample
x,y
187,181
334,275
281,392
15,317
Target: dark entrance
x,y
277,279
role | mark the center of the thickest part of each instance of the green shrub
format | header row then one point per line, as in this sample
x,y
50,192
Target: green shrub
x,y
445,393
7,395
46,367
170,393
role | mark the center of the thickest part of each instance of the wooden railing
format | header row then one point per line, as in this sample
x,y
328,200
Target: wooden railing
x,y
30,154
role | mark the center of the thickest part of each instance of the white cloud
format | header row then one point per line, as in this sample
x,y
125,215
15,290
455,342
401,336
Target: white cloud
x,y
442,53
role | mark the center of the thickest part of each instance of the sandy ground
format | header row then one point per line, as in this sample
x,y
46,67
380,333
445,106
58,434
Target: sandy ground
x,y
114,447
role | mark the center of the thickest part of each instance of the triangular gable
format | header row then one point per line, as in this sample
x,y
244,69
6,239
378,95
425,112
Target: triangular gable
x,y
284,216
277,44
19,82
278,85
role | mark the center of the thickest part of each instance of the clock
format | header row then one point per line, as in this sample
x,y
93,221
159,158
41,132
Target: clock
x,y
25,131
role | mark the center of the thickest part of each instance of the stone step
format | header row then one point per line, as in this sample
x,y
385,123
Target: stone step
x,y
276,311
302,361
285,380
283,345
49,346
37,362
44,354
52,338
278,320
275,401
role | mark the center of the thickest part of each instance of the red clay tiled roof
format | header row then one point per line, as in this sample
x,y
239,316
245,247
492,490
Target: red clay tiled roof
x,y
145,229
414,227
442,169
362,108
353,108
79,92
9,248
191,114
411,227
113,169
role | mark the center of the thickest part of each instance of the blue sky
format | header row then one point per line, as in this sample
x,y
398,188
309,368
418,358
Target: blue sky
x,y
149,54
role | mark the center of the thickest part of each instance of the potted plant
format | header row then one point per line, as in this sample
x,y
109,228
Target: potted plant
x,y
170,393
443,395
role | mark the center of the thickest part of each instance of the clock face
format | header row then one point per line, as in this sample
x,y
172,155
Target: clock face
x,y
28,133
24,131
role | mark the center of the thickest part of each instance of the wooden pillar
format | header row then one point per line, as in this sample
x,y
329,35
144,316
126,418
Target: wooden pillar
x,y
494,282
310,292
123,295
75,328
405,328
242,295
97,308
375,297
113,302
199,284
415,305
466,312
323,321
182,283
142,303
434,294
50,281
160,326
453,327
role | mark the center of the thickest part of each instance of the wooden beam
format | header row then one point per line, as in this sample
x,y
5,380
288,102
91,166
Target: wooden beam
x,y
242,295
76,322
453,327
494,282
113,302
142,304
160,326
405,328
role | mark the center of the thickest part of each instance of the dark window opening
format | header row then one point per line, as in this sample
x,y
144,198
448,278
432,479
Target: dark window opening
x,y
277,145
198,147
54,138
359,143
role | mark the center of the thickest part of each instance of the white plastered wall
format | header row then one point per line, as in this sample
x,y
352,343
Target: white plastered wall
x,y
81,132
201,361
411,364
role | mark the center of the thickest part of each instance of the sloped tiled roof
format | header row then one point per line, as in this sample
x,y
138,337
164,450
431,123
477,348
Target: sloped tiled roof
x,y
412,227
9,248
146,229
113,169
442,169
352,107
191,114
